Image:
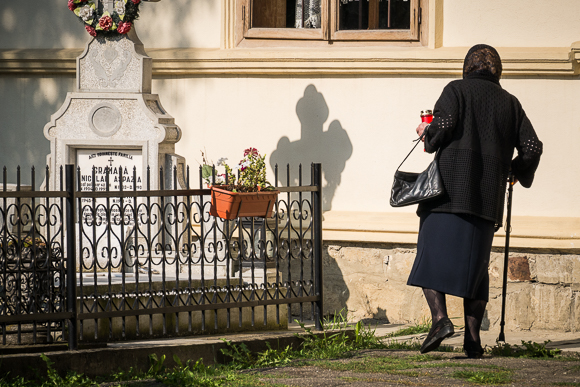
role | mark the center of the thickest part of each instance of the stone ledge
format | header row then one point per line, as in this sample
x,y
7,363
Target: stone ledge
x,y
528,232
517,61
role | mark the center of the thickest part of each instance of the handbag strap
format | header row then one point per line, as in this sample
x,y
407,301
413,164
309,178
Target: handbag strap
x,y
417,141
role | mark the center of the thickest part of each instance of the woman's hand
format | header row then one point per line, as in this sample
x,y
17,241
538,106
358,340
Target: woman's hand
x,y
420,129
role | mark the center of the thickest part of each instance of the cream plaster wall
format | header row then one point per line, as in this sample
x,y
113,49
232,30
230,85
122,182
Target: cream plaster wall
x,y
49,24
225,115
196,23
369,123
529,23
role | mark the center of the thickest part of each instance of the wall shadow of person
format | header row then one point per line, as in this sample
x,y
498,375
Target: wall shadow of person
x,y
332,147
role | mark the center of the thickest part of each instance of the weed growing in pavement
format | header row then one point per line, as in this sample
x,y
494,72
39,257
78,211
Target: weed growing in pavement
x,y
528,349
314,346
422,326
337,321
338,344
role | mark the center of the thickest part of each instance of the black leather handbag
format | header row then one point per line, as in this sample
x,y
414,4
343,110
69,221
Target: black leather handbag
x,y
412,188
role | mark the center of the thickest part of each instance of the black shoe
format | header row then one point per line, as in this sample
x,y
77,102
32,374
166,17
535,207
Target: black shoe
x,y
439,331
473,350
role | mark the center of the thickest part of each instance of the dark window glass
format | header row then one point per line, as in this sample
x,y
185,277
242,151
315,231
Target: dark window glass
x,y
391,15
286,14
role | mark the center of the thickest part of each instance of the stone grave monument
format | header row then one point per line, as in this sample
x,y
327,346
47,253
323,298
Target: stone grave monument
x,y
112,118
112,122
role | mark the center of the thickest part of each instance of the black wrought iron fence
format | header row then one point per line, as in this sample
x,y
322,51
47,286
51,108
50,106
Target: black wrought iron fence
x,y
154,263
32,263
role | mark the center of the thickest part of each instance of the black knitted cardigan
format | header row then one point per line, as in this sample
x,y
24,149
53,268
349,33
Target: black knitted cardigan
x,y
477,125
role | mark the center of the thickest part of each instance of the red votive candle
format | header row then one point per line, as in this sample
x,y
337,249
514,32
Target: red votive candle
x,y
426,116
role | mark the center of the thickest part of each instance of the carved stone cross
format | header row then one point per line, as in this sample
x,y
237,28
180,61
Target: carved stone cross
x,y
109,5
105,5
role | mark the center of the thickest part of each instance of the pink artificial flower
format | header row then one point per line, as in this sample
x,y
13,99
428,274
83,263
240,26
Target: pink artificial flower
x,y
123,28
253,152
71,5
136,1
91,30
106,22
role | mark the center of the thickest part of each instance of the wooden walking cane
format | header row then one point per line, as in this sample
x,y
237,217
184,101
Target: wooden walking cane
x,y
508,224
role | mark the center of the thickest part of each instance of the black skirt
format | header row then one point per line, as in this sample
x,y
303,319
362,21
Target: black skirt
x,y
453,255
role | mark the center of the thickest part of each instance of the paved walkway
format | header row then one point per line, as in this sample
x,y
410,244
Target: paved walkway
x,y
123,355
566,341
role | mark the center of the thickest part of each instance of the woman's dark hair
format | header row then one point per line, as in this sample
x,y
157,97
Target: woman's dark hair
x,y
482,59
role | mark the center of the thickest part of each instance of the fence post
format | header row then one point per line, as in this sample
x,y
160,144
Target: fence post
x,y
70,256
317,242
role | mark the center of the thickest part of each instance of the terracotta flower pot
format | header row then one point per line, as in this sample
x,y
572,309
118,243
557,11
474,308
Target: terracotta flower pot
x,y
231,205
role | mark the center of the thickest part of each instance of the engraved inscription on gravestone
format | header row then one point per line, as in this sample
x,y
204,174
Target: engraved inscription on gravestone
x,y
124,170
115,162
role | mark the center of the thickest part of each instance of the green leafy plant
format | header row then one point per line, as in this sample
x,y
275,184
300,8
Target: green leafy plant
x,y
528,349
339,344
242,358
336,321
191,374
156,366
533,349
72,379
249,175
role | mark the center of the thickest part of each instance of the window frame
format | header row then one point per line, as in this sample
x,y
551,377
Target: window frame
x,y
412,34
329,31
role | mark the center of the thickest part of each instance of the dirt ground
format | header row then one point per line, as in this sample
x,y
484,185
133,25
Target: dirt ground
x,y
408,368
522,372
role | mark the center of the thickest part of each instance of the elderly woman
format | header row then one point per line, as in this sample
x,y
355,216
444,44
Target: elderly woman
x,y
476,127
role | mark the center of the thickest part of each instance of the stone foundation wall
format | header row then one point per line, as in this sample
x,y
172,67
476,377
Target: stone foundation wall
x,y
369,281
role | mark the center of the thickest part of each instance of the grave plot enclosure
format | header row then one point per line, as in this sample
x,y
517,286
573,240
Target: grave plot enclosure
x,y
81,265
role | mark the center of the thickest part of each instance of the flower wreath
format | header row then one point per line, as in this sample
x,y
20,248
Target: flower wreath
x,y
119,22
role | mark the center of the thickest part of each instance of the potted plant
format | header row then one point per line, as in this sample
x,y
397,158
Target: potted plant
x,y
242,191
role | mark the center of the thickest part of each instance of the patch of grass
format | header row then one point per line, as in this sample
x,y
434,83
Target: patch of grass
x,y
424,358
242,358
382,365
422,326
528,349
398,365
199,375
484,377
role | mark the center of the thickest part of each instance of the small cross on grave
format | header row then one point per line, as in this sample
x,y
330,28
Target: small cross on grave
x,y
106,5
111,161
109,5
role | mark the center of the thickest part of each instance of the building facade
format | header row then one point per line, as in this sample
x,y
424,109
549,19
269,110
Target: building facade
x,y
341,82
